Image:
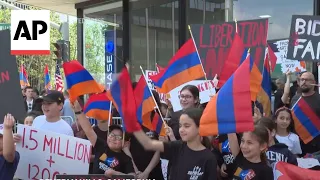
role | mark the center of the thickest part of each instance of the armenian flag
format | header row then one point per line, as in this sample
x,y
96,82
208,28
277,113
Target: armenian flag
x,y
255,79
23,77
306,121
98,107
79,80
122,96
47,78
158,125
185,66
237,54
264,96
144,102
286,171
235,97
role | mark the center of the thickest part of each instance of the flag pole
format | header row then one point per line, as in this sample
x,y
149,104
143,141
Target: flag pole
x,y
157,107
205,74
110,116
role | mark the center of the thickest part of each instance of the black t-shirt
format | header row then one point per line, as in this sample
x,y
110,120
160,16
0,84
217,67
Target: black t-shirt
x,y
227,156
142,158
246,170
280,152
189,164
105,158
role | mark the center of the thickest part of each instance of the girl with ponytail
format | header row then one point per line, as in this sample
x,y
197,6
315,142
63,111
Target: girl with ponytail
x,y
250,158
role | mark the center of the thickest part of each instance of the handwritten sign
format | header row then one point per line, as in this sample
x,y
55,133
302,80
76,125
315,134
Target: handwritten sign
x,y
214,41
43,155
304,38
280,48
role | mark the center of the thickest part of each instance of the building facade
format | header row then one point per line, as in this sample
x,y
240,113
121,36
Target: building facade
x,y
148,32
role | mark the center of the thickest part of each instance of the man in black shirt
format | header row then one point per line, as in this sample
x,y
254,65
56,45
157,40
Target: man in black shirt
x,y
307,82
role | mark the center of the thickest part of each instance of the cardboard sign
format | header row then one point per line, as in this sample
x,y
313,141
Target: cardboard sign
x,y
43,154
280,48
304,38
10,89
214,41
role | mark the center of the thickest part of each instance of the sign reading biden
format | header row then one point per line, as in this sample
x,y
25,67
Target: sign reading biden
x,y
30,32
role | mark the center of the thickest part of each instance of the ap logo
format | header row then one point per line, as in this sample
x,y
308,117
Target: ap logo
x,y
30,32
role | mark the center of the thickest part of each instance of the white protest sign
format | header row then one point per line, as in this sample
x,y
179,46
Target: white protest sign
x,y
43,155
205,89
287,64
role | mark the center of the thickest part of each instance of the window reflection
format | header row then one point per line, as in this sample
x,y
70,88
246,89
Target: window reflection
x,y
280,11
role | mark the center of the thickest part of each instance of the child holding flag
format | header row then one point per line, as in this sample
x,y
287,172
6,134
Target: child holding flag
x,y
189,157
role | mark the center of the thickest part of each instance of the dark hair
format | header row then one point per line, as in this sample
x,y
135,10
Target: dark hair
x,y
195,114
291,125
36,91
262,135
28,87
267,123
34,114
193,90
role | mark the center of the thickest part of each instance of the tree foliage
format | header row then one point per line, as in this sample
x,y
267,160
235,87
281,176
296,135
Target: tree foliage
x,y
94,49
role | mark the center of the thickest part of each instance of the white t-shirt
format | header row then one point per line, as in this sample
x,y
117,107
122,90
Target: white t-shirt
x,y
61,126
292,141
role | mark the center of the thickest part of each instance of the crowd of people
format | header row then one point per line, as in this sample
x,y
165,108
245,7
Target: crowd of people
x,y
236,156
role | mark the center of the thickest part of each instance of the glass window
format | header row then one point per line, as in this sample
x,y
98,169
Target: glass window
x,y
155,39
279,12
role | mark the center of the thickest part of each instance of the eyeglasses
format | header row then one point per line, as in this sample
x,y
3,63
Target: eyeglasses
x,y
116,137
185,97
307,80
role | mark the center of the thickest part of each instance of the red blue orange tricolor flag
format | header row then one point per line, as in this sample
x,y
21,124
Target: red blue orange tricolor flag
x,y
158,125
98,107
264,96
234,96
286,171
79,80
235,57
122,96
145,103
255,79
47,78
23,77
306,121
185,66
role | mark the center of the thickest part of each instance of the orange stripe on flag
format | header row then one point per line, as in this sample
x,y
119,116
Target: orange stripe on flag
x,y
191,73
206,124
255,82
82,88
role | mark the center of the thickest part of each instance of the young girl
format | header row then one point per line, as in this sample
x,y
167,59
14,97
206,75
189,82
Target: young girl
x,y
276,151
285,128
189,158
250,159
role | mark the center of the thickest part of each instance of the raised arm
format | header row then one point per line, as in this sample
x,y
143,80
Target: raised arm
x,y
148,143
286,91
8,148
234,144
84,122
